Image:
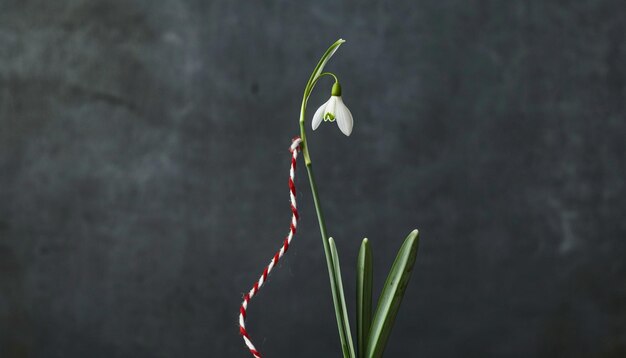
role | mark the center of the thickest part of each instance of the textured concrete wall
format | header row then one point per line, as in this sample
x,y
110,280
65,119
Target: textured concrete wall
x,y
143,163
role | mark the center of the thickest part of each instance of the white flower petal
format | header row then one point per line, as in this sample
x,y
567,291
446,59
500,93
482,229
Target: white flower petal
x,y
319,115
332,107
344,118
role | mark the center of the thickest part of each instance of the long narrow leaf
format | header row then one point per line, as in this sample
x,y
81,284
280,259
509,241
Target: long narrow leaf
x,y
363,297
391,296
342,317
319,68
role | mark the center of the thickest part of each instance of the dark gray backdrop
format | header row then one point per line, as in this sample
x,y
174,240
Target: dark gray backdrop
x,y
143,174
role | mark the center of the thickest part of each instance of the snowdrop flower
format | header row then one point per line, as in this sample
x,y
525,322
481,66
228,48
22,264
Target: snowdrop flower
x,y
334,109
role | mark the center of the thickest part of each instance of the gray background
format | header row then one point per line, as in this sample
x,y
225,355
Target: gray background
x,y
143,174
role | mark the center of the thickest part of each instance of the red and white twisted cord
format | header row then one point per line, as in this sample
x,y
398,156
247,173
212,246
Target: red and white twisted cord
x,y
295,147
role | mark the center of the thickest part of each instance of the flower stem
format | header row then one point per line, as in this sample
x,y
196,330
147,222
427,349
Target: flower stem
x,y
339,304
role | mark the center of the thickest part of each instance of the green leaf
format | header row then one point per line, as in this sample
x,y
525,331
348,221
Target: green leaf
x,y
319,68
391,296
340,307
363,297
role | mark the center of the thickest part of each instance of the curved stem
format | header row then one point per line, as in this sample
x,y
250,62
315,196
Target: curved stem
x,y
328,74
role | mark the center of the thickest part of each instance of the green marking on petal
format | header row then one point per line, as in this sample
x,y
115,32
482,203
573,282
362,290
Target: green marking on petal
x,y
329,117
